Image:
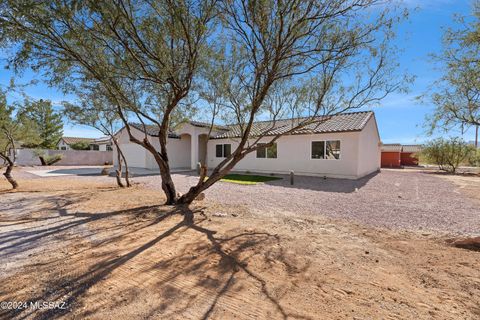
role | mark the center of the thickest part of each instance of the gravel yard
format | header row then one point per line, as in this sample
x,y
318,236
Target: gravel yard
x,y
409,200
265,251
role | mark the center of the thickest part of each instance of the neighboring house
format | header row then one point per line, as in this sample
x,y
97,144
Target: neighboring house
x,y
343,146
65,142
395,155
102,144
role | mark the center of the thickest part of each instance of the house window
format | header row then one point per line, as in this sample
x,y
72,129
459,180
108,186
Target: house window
x,y
63,148
109,147
333,149
223,150
267,152
318,149
326,149
95,147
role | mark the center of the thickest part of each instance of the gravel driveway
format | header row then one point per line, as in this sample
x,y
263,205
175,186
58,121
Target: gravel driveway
x,y
392,199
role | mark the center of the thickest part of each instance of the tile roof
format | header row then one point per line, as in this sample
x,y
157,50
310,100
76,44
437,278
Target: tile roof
x,y
152,130
412,148
71,140
343,122
391,147
397,147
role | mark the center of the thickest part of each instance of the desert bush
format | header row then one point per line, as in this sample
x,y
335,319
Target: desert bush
x,y
448,154
474,158
45,159
81,145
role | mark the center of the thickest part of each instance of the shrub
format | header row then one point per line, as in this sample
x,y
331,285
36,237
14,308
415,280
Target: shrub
x,y
474,158
45,159
81,145
448,154
49,160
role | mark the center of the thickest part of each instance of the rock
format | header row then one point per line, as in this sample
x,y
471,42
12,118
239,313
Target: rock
x,y
200,197
219,214
179,194
105,172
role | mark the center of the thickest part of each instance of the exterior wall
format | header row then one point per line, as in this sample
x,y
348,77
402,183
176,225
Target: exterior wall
x,y
26,157
137,156
390,159
61,144
294,153
369,149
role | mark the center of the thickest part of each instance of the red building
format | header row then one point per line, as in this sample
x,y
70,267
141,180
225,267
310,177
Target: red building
x,y
395,155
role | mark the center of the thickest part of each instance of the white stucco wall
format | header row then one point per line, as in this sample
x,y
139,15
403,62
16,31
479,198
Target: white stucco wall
x,y
137,156
369,149
359,153
61,144
294,153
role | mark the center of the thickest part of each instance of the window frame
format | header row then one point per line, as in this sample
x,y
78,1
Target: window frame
x,y
266,152
325,149
222,150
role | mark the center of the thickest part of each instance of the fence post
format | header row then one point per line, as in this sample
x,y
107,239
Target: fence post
x,y
292,177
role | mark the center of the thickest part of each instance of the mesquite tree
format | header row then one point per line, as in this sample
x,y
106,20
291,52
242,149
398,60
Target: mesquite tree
x,y
314,58
15,129
304,60
144,54
94,110
456,95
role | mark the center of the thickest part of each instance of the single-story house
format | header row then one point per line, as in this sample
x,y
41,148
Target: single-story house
x,y
65,143
395,155
100,144
346,145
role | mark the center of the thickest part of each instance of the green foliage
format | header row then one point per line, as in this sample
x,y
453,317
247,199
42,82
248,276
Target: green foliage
x,y
447,154
48,123
456,94
15,128
49,160
45,159
81,145
247,179
474,158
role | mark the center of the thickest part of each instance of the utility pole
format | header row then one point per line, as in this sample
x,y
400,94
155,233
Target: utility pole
x,y
476,136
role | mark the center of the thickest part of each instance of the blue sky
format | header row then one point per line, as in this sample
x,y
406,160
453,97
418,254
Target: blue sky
x,y
400,117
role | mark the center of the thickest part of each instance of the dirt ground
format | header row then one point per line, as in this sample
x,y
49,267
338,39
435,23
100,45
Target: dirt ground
x,y
111,253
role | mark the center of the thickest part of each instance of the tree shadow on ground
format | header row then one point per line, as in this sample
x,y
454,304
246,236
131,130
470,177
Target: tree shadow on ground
x,y
72,287
313,183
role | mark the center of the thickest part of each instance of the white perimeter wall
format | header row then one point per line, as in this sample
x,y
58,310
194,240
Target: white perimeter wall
x,y
293,153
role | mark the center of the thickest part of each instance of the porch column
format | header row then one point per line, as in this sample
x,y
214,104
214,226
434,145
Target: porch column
x,y
194,152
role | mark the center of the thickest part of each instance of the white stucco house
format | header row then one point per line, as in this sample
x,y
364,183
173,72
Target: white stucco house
x,y
346,145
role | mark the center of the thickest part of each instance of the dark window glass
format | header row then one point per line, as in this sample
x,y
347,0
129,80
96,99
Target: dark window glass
x,y
227,150
109,147
261,152
218,150
318,149
333,149
272,151
95,147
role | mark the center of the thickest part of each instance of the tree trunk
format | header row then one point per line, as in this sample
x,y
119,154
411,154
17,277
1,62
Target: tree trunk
x,y
118,172
168,187
127,174
8,174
